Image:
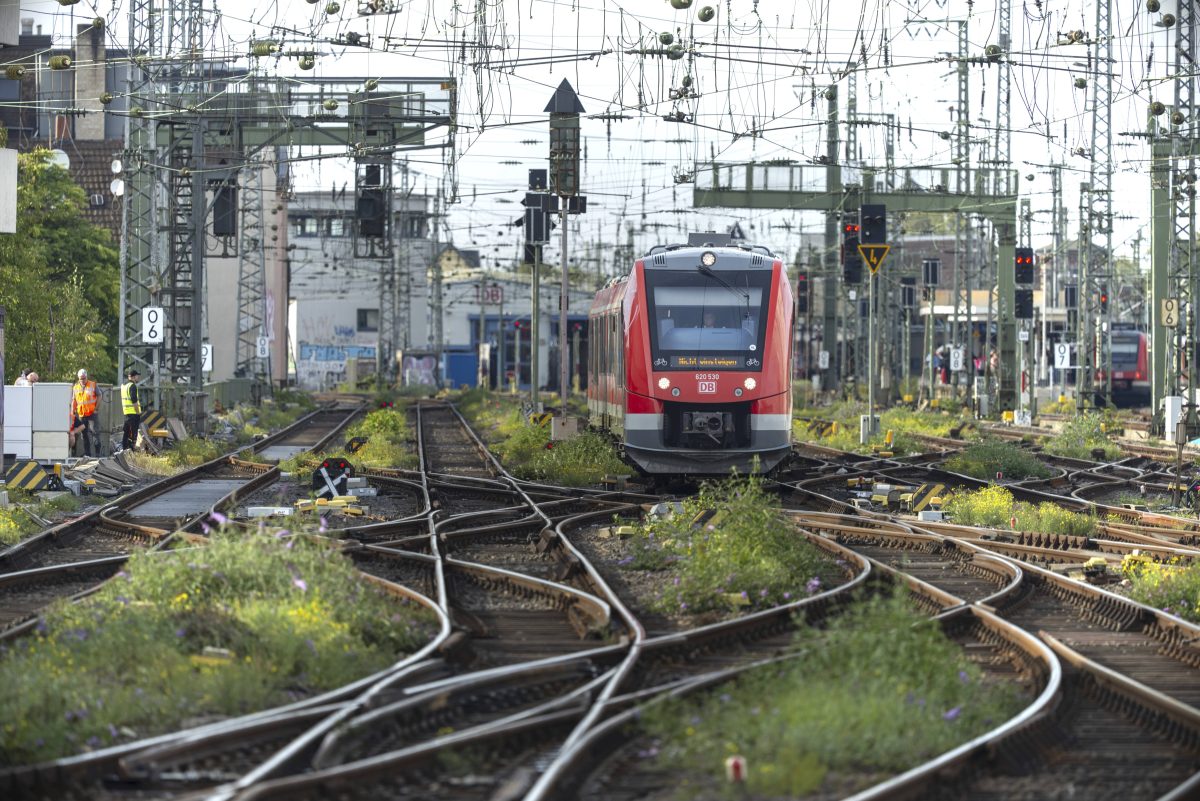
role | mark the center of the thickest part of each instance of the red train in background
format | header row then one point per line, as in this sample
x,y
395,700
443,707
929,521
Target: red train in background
x,y
690,359
1131,368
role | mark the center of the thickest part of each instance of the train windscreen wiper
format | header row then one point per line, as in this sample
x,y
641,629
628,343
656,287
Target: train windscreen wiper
x,y
743,294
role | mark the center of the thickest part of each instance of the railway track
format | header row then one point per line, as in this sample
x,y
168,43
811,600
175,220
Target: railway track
x,y
72,559
533,687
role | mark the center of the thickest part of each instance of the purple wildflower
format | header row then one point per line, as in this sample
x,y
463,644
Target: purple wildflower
x,y
93,741
745,595
205,528
813,585
675,581
299,582
123,574
113,732
218,518
683,607
952,714
964,677
324,524
787,596
181,632
41,626
762,593
312,646
122,600
625,561
283,532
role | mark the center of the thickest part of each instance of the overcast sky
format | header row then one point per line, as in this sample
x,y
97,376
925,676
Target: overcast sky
x,y
753,69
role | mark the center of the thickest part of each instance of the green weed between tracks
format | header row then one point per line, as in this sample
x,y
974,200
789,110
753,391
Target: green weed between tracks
x,y
881,690
1174,588
290,618
527,451
1080,436
987,457
246,424
743,554
390,441
994,507
904,423
16,524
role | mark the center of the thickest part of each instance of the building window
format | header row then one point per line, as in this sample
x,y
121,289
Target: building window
x,y
304,226
337,226
414,226
368,320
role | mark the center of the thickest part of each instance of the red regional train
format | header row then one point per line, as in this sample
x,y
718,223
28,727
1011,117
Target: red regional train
x,y
690,359
1131,368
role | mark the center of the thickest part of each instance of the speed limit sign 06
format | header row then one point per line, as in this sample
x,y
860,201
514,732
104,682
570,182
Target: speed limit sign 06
x,y
152,325
1170,312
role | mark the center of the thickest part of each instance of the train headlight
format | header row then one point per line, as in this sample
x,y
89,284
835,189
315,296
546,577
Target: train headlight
x,y
708,258
750,383
737,392
675,392
664,383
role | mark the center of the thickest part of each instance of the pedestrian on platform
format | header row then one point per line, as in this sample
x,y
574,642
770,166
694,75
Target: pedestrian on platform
x,y
32,378
131,407
84,397
23,380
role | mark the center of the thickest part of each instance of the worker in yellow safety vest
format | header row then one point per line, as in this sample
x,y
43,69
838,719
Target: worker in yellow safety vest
x,y
131,407
84,398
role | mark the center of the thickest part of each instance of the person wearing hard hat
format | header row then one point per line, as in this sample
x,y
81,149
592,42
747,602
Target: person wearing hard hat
x,y
131,407
84,398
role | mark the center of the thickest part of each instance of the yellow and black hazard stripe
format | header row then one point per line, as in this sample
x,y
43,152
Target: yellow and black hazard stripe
x,y
29,476
541,419
925,495
155,423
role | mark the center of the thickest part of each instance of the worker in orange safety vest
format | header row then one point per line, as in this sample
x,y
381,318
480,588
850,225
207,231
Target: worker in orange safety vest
x,y
84,399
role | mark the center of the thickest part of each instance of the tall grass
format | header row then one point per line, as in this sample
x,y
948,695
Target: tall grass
x,y
1080,436
729,546
994,507
1173,587
987,457
880,691
238,625
527,451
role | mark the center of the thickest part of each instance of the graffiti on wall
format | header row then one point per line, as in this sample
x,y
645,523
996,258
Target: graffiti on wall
x,y
325,343
419,370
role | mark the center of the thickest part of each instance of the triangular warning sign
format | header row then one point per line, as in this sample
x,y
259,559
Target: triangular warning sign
x,y
874,255
736,234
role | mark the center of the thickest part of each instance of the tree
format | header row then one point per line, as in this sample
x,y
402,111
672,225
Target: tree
x,y
59,279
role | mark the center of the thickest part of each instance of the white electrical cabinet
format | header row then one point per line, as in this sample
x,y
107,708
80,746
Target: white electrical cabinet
x,y
51,407
18,421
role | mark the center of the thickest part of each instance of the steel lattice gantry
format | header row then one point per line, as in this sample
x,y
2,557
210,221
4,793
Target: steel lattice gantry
x,y
1095,247
365,120
252,267
1173,276
800,187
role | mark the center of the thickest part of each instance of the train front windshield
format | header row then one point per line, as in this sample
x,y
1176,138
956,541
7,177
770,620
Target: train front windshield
x,y
707,320
1124,353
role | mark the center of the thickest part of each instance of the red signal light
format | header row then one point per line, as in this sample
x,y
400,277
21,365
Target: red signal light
x,y
850,228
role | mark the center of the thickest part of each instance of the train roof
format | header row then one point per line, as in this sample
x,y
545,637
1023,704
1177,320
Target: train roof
x,y
712,242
